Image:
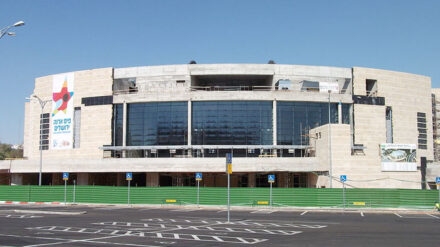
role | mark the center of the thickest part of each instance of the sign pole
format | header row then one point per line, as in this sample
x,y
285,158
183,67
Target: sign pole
x,y
229,195
128,177
65,191
343,193
437,182
229,171
128,194
270,198
74,190
343,179
198,192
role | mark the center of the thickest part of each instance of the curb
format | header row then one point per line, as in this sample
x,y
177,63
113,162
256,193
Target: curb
x,y
32,203
48,212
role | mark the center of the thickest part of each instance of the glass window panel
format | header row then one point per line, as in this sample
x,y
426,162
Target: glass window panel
x,y
295,119
231,122
158,124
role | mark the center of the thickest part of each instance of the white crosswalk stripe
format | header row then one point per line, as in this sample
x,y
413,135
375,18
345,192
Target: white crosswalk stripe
x,y
145,226
164,235
243,223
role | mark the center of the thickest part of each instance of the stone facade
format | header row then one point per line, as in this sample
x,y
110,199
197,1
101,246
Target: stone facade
x,y
406,94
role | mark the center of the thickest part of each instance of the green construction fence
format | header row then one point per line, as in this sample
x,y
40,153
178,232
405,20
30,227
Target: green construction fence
x,y
281,197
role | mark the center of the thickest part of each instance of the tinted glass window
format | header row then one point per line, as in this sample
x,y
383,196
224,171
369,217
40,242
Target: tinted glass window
x,y
162,123
295,119
232,123
117,124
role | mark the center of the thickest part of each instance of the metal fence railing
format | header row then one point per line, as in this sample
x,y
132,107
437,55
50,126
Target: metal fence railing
x,y
281,197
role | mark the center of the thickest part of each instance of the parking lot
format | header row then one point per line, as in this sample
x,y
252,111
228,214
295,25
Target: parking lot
x,y
38,225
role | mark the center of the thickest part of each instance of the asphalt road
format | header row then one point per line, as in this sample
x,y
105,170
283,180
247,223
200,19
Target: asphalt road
x,y
121,226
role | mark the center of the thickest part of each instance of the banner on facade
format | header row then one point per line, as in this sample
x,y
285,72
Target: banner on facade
x,y
62,111
324,87
398,157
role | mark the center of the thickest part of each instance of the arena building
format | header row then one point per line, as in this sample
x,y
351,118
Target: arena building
x,y
164,123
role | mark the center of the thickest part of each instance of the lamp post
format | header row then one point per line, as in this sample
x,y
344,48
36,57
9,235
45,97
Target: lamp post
x,y
330,142
4,30
42,104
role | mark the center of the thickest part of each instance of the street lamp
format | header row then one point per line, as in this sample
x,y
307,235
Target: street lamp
x,y
42,105
330,173
4,30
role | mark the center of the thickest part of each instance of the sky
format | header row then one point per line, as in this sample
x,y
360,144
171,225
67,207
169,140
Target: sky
x,y
64,36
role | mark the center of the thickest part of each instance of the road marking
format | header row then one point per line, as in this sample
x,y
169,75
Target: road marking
x,y
262,211
400,216
434,216
243,223
362,214
109,208
145,226
83,240
17,216
184,210
303,213
167,235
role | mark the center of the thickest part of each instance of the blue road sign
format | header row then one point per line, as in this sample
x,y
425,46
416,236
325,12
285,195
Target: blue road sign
x,y
437,180
65,176
343,178
228,158
271,178
199,176
129,176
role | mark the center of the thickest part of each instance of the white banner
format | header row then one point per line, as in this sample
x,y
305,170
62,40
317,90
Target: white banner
x,y
324,87
62,111
398,157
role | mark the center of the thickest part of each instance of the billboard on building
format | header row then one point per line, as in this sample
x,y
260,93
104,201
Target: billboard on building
x,y
62,111
398,157
324,87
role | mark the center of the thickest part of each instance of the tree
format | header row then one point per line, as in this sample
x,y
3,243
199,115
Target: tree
x,y
7,152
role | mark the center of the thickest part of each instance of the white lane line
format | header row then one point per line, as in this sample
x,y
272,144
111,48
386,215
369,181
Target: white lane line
x,y
73,241
303,213
85,240
434,216
400,216
362,214
184,210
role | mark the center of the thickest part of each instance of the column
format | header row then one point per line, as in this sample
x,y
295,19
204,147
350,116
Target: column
x,y
124,128
16,179
274,122
57,179
152,179
251,180
189,122
340,112
120,179
83,179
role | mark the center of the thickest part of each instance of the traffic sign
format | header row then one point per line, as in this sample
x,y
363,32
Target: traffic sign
x,y
229,163
129,176
271,178
437,180
343,178
229,168
198,176
65,176
228,158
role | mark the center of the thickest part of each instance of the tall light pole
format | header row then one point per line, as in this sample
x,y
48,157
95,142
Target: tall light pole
x,y
330,173
4,30
42,104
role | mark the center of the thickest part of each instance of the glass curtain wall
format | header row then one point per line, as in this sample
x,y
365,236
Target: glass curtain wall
x,y
156,124
117,124
295,119
232,123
